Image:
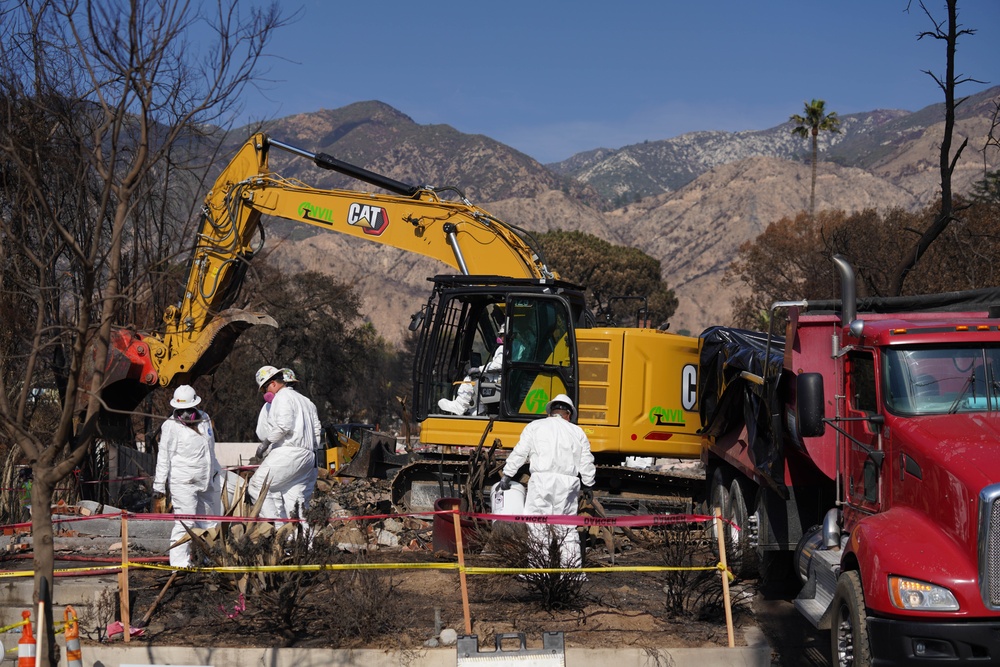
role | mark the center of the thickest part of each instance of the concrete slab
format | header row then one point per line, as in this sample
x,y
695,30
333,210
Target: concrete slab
x,y
107,655
111,527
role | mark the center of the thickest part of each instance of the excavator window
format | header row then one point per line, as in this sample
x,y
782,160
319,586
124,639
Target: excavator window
x,y
540,362
463,334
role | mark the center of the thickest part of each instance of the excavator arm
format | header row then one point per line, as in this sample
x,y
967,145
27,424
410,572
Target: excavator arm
x,y
415,219
200,329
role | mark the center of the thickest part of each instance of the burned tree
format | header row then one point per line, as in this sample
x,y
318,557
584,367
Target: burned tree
x,y
98,104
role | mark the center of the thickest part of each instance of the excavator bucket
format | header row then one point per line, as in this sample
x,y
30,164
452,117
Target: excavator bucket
x,y
377,457
131,371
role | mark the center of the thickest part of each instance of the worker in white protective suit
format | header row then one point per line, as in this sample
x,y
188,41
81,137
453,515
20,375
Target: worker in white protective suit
x,y
464,401
186,461
559,457
289,431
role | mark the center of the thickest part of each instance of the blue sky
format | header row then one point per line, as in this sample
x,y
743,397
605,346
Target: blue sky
x,y
554,78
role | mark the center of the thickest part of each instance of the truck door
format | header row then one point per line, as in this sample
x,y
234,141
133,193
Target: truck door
x,y
862,451
539,355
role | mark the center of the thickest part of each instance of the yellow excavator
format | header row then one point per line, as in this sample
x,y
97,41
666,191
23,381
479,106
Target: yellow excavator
x,y
635,388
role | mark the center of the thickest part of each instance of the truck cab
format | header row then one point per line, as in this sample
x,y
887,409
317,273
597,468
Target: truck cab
x,y
873,459
915,417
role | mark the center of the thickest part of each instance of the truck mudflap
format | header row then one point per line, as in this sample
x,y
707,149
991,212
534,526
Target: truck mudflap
x,y
899,642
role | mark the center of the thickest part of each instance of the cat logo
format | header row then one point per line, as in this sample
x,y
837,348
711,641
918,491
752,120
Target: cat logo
x,y
372,219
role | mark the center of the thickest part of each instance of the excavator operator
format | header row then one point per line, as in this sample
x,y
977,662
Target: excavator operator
x,y
464,400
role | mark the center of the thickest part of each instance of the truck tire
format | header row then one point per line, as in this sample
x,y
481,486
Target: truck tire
x,y
849,645
718,497
741,547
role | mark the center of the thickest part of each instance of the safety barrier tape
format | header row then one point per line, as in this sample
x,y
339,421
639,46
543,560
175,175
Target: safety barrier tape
x,y
320,567
13,626
115,480
630,520
550,519
448,566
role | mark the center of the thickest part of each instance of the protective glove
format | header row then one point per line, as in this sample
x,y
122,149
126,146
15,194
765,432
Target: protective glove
x,y
262,449
587,493
505,482
473,371
255,460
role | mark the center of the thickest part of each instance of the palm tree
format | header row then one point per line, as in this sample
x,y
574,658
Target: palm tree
x,y
815,119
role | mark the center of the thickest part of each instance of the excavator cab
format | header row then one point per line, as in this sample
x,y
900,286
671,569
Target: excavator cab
x,y
460,329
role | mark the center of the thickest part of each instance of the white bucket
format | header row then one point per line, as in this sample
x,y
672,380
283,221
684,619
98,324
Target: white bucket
x,y
510,501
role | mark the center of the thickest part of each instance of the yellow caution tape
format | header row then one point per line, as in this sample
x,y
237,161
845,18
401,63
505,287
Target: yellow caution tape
x,y
8,628
384,566
431,566
570,570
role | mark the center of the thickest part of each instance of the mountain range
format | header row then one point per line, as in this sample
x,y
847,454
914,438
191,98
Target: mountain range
x,y
688,201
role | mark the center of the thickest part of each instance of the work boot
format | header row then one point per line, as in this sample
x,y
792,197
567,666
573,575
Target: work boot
x,y
453,407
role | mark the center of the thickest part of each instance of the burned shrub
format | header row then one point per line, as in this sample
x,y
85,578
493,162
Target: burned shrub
x,y
691,590
542,547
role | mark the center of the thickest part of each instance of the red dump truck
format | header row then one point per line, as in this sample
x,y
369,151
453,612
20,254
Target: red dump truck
x,y
865,446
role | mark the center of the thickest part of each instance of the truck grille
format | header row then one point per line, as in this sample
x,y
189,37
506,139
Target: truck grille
x,y
989,545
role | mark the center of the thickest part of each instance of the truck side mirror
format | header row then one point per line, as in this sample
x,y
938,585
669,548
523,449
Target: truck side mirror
x,y
809,403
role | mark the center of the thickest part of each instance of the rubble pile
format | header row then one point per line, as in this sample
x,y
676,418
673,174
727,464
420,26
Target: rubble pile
x,y
341,498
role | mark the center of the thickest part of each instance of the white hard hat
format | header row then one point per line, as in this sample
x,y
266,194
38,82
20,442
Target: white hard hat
x,y
288,376
184,397
265,374
565,400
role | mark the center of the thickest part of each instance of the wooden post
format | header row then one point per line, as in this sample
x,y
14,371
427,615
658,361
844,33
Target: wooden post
x,y
461,570
725,576
123,580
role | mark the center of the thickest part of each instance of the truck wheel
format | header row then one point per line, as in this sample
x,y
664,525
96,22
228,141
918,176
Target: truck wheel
x,y
849,645
742,551
718,498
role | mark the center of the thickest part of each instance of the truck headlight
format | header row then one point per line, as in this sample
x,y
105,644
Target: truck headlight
x,y
919,595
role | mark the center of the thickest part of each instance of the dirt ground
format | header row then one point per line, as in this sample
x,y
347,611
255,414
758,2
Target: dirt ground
x,y
624,609
405,609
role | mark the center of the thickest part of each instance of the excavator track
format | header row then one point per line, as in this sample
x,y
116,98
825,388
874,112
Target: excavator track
x,y
620,490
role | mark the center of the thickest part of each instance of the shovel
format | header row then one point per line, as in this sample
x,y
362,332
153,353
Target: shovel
x,y
145,619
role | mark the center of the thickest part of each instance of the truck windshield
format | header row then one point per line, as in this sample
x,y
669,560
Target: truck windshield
x,y
928,380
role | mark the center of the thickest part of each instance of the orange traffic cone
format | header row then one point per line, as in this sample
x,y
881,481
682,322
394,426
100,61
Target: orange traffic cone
x,y
74,656
26,644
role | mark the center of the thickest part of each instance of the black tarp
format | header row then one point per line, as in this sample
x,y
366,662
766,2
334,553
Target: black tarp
x,y
727,400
